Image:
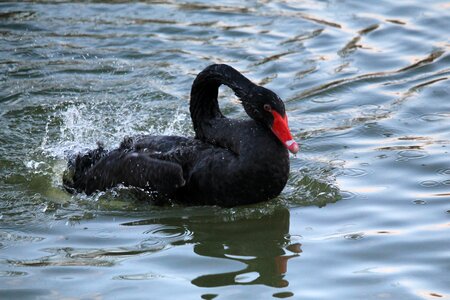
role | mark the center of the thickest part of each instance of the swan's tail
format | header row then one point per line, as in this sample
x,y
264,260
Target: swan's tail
x,y
78,165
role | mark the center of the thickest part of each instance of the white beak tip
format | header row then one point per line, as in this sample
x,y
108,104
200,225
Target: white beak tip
x,y
292,146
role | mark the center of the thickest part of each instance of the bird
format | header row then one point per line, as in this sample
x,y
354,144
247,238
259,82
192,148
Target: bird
x,y
229,162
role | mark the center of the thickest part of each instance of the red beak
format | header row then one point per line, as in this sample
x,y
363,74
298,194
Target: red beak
x,y
281,129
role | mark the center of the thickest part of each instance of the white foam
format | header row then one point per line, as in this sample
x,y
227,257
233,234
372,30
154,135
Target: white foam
x,y
79,126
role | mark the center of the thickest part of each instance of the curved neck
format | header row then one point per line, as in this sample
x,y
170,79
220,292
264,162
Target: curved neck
x,y
203,104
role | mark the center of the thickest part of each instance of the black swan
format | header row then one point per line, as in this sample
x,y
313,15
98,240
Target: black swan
x,y
228,163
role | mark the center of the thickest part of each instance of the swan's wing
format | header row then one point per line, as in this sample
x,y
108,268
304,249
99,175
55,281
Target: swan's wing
x,y
134,169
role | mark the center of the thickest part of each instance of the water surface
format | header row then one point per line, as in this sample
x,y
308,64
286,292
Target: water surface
x,y
366,212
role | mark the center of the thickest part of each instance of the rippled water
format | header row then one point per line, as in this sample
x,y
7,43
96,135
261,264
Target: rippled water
x,y
366,213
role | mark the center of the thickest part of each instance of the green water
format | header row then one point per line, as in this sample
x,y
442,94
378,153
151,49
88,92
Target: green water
x,y
366,212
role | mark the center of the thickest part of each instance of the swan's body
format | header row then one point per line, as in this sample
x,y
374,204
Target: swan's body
x,y
229,162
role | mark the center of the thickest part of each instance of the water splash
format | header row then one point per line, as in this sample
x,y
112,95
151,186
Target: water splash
x,y
80,126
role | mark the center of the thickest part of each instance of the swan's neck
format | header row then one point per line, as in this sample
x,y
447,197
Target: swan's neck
x,y
204,106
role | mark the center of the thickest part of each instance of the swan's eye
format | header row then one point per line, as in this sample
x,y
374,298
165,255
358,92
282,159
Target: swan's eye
x,y
267,107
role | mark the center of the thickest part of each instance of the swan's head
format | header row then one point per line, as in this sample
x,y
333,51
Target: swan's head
x,y
265,106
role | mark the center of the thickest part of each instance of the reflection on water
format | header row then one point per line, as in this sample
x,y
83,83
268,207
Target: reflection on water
x,y
251,247
261,244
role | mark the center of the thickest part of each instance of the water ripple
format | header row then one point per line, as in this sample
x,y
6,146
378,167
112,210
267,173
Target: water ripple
x,y
406,155
12,273
429,183
368,77
353,172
